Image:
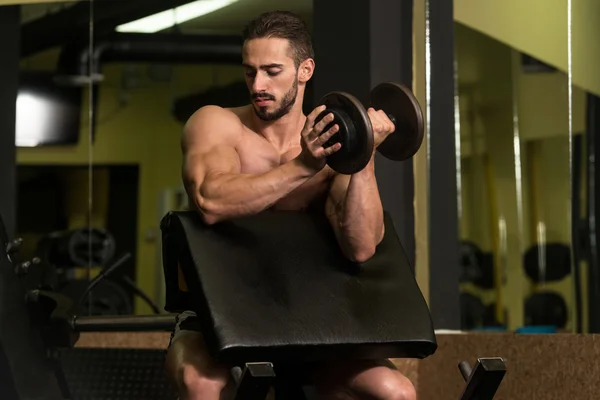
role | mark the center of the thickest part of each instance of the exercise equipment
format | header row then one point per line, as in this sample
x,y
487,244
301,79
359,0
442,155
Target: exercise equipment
x,y
477,267
78,247
109,298
474,314
403,109
550,262
274,294
483,380
292,299
42,323
546,308
356,131
58,266
116,374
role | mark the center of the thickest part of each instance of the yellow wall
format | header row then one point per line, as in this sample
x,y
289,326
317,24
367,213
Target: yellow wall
x,y
141,132
540,28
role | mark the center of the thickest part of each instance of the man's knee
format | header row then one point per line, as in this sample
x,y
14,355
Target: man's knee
x,y
383,383
195,384
399,388
192,372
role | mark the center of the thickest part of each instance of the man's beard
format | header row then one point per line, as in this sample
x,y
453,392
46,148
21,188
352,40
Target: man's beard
x,y
287,102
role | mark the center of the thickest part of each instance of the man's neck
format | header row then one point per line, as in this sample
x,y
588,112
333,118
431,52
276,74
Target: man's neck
x,y
284,132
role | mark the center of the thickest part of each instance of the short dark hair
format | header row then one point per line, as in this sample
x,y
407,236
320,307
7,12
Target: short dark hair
x,y
283,25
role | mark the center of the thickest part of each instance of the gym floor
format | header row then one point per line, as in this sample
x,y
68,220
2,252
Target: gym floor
x,y
544,367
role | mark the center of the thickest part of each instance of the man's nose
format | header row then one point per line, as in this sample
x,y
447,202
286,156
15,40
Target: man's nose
x,y
259,84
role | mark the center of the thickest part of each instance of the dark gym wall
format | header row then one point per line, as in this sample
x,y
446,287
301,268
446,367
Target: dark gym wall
x,y
366,43
9,77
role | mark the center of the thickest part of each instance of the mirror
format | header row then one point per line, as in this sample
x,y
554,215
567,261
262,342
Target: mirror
x,y
150,79
52,177
514,168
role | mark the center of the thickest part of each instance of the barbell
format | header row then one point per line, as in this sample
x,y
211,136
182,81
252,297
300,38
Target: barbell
x,y
355,131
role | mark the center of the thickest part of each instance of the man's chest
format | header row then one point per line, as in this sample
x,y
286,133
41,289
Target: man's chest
x,y
259,159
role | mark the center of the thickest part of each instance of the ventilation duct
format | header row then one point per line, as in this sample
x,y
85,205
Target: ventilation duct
x,y
76,59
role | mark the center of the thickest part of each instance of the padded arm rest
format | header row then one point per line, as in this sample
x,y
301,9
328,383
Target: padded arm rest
x,y
276,287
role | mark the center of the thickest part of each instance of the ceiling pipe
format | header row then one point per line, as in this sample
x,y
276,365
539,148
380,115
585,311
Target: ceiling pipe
x,y
78,64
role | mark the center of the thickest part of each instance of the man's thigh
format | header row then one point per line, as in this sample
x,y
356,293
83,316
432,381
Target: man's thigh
x,y
188,349
365,379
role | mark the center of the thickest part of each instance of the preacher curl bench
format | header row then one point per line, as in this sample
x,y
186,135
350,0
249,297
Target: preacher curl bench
x,y
273,294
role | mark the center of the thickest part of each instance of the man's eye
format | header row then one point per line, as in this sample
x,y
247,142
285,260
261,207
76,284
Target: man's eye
x,y
273,73
250,74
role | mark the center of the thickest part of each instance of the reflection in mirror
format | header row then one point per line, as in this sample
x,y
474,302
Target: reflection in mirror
x,y
157,63
487,177
585,89
52,125
515,182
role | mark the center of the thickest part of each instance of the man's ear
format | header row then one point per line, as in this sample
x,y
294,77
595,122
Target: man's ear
x,y
305,70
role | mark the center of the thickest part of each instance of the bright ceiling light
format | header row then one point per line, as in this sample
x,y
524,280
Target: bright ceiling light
x,y
174,16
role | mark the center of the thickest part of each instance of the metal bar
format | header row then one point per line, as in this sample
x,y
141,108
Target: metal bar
x,y
484,380
576,232
465,370
9,84
24,365
256,381
124,323
593,133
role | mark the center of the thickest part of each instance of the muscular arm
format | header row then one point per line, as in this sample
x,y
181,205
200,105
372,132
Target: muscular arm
x,y
356,214
212,169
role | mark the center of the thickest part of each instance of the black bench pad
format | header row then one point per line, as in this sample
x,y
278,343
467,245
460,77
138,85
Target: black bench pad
x,y
276,287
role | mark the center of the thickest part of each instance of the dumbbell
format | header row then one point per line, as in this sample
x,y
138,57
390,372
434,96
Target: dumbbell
x,y
356,132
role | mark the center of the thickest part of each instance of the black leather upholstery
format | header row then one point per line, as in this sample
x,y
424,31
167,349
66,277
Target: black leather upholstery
x,y
276,287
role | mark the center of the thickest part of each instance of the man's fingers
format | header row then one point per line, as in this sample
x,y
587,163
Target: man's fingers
x,y
388,124
327,119
308,132
310,118
331,149
327,135
376,120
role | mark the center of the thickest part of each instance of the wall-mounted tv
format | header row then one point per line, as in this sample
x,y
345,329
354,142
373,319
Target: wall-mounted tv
x,y
48,113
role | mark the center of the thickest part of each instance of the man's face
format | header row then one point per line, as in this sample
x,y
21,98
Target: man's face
x,y
271,76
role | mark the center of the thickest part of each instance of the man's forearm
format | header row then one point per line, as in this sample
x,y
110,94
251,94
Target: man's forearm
x,y
360,215
225,196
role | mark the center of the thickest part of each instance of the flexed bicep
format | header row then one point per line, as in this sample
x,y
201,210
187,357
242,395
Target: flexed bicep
x,y
208,152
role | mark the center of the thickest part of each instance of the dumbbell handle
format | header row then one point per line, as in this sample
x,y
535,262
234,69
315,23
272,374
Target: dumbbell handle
x,y
392,118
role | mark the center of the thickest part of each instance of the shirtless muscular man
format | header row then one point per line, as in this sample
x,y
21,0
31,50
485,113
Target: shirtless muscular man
x,y
266,154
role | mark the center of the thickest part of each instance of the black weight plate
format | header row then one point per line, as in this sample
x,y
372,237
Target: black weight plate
x,y
397,100
355,134
477,267
472,311
546,308
554,265
107,297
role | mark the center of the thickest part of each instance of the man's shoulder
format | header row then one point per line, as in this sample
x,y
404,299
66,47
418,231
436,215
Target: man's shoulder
x,y
212,114
214,121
